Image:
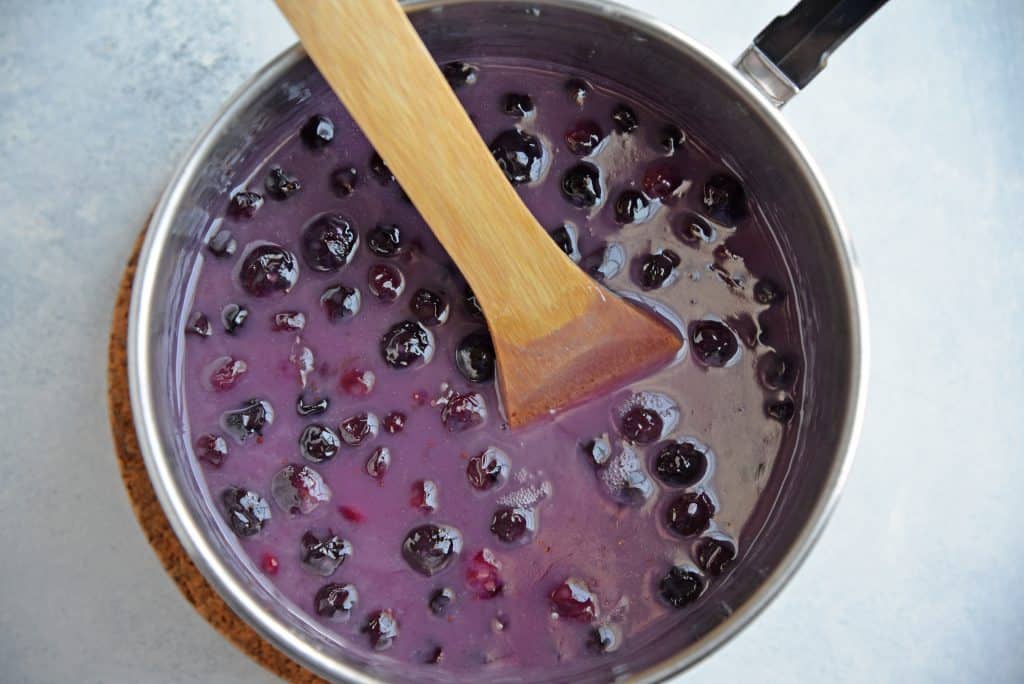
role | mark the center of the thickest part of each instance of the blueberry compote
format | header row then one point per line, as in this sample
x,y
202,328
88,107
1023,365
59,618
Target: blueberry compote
x,y
359,414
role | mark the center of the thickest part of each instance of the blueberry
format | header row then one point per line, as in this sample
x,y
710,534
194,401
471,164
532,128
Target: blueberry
x,y
459,74
323,555
474,357
581,185
435,656
725,199
380,170
488,470
781,411
329,242
510,524
318,443
681,464
385,240
335,601
603,639
680,587
358,382
268,268
280,185
223,244
198,324
690,514
672,139
714,344
598,450
379,462
519,155
516,104
394,422
715,555
661,179
641,425
212,449
776,371
606,263
317,132
632,207
299,489
472,305
424,496
247,512
567,238
407,343
340,302
483,575
657,269
233,317
767,291
584,137
359,428
577,90
310,407
250,419
573,599
288,321
344,180
441,601
225,372
693,230
382,629
462,411
625,119
429,307
244,204
385,282
429,549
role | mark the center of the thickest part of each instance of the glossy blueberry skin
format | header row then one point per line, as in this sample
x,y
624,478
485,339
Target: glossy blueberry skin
x,y
680,587
429,549
581,185
474,357
519,155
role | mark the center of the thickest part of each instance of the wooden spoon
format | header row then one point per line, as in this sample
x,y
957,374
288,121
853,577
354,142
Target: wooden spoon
x,y
559,336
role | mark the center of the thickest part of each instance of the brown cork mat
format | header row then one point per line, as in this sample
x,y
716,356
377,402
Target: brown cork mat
x,y
154,523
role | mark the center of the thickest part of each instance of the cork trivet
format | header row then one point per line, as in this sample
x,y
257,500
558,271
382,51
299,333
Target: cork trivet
x,y
154,523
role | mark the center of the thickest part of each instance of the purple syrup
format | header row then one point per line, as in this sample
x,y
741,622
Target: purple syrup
x,y
363,374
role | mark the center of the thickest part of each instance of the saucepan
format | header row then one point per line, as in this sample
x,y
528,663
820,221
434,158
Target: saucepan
x,y
731,108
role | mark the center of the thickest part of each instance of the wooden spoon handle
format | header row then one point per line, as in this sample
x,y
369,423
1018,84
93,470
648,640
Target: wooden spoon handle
x,y
374,60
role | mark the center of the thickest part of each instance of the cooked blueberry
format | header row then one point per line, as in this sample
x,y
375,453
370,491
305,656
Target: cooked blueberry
x,y
766,291
198,324
681,464
340,302
657,269
510,524
483,575
604,639
299,489
632,207
211,448
233,317
715,555
435,656
573,599
380,170
517,104
310,407
518,154
379,462
335,601
584,137
268,268
382,629
318,131
385,240
359,428
725,199
488,470
577,90
344,180
250,419
328,242
429,549
441,600
598,450
474,356
358,382
605,263
690,514
223,244
318,443
247,512
781,411
394,422
459,74
288,321
280,185
462,411
323,555
472,305
641,425
714,344
581,185
407,343
776,371
625,119
567,238
225,372
385,282
424,496
245,204
429,307
693,230
661,179
672,139
681,586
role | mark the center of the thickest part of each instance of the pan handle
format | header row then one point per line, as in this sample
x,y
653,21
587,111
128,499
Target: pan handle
x,y
792,49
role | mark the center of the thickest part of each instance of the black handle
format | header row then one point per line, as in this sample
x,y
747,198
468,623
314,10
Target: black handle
x,y
799,43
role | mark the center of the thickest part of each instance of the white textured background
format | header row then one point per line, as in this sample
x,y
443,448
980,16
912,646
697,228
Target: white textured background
x,y
918,124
